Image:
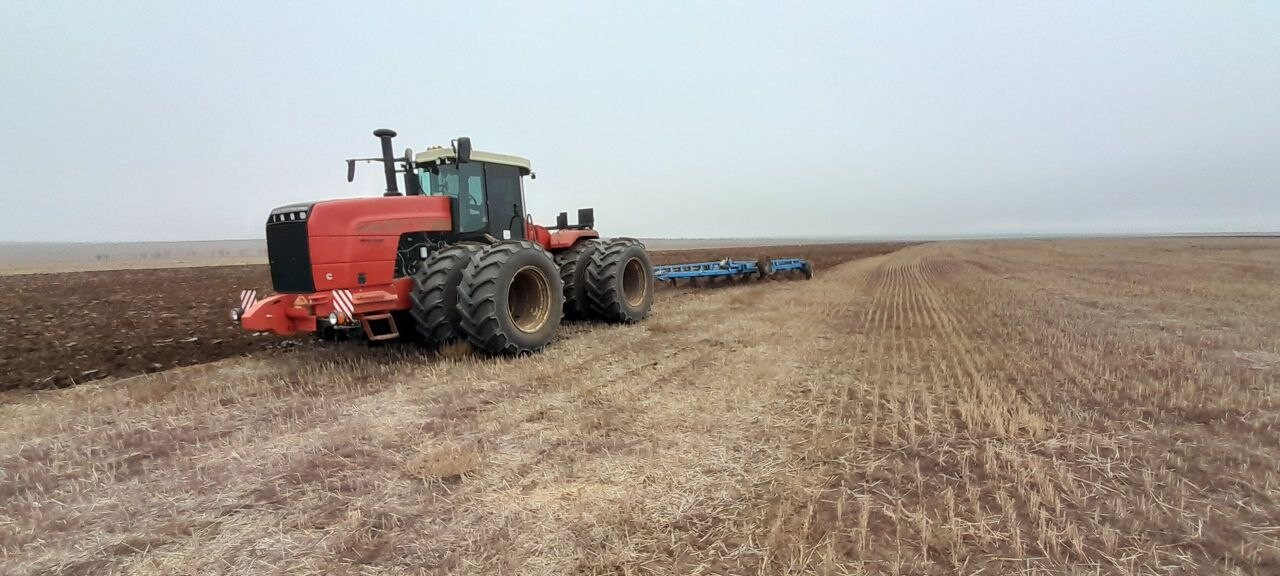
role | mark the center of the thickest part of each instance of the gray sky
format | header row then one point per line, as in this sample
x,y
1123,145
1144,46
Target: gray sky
x,y
184,120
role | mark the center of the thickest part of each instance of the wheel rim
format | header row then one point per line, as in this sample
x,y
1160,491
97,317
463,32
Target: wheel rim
x,y
633,282
529,299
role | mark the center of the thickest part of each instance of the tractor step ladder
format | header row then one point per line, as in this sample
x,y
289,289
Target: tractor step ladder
x,y
375,332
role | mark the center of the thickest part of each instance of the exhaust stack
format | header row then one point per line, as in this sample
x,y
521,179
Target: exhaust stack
x,y
388,162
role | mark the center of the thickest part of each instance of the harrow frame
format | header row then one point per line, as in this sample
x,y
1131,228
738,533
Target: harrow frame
x,y
730,268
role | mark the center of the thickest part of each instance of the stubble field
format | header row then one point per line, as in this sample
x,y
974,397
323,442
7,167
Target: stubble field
x,y
1003,407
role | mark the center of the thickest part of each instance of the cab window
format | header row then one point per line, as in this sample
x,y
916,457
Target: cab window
x,y
465,183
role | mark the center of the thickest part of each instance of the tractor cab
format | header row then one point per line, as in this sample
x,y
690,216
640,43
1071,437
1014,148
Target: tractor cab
x,y
486,190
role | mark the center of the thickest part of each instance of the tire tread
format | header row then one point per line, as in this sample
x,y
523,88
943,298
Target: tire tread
x,y
430,311
478,308
573,274
604,298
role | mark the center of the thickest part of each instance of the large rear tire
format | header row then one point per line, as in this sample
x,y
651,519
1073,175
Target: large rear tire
x,y
435,293
573,265
620,281
511,298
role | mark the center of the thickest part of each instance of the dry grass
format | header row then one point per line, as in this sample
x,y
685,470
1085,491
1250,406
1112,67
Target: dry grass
x,y
1004,407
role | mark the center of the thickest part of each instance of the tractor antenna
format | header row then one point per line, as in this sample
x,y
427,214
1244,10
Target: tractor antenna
x,y
388,162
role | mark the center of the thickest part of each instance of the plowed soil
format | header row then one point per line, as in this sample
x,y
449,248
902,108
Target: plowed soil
x,y
68,328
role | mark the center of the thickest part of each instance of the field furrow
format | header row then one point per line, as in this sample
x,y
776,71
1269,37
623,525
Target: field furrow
x,y
948,408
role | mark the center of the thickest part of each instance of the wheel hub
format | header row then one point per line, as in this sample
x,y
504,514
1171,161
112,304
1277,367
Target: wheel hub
x,y
633,282
528,299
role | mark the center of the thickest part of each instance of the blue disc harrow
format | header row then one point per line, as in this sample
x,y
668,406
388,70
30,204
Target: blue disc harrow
x,y
730,268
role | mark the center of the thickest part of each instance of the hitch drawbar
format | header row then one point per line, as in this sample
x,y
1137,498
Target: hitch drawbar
x,y
728,268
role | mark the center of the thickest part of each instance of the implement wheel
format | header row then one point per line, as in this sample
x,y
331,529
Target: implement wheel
x,y
511,299
435,293
620,281
764,267
573,274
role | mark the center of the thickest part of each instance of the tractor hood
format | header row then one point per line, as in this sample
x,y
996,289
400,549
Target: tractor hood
x,y
346,243
385,216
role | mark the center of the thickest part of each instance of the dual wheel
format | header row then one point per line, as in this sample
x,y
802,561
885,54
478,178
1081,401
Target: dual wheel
x,y
608,280
508,297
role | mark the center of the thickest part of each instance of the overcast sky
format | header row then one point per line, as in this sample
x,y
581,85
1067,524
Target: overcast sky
x,y
185,120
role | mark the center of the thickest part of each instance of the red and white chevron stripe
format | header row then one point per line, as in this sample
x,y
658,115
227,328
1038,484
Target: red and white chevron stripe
x,y
344,304
247,298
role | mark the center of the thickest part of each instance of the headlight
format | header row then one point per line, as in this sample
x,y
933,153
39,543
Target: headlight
x,y
235,314
333,318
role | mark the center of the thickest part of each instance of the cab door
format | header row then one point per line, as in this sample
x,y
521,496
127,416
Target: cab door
x,y
506,206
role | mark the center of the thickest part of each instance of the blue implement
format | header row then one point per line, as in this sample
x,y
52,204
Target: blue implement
x,y
728,268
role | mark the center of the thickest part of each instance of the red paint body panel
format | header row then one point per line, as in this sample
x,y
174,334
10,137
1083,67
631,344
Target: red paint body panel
x,y
347,274
288,314
387,216
357,236
277,315
537,234
558,240
343,249
564,239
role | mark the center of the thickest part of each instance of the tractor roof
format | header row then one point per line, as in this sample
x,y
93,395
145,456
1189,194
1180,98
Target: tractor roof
x,y
435,154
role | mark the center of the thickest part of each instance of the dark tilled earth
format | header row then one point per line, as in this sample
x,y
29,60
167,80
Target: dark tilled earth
x,y
69,328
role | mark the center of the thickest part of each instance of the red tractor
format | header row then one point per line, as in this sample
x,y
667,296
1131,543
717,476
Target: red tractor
x,y
453,257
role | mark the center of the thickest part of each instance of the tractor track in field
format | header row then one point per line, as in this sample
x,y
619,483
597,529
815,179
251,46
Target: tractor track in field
x,y
62,329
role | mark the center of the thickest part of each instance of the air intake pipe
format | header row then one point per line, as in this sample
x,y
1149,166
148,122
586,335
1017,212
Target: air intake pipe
x,y
388,162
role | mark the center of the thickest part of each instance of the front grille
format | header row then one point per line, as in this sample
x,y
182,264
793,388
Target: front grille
x,y
289,253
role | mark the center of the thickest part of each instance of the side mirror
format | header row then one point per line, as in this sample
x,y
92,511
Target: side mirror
x,y
462,149
351,170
